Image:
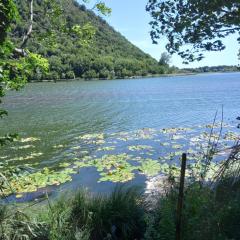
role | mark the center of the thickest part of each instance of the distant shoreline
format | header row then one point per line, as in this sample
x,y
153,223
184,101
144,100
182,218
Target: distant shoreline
x,y
132,77
110,79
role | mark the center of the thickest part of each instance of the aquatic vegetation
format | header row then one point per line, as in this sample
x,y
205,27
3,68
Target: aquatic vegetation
x,y
178,153
109,148
64,165
58,146
69,154
195,170
139,147
125,139
149,153
192,151
164,144
91,136
150,167
177,137
115,168
123,174
84,152
195,139
231,136
31,156
23,147
146,133
109,161
141,134
81,164
174,130
29,139
98,142
31,182
138,158
154,152
95,138
87,158
217,125
76,148
86,161
171,170
176,146
170,156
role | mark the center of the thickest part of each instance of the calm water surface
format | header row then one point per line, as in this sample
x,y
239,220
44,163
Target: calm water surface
x,y
57,113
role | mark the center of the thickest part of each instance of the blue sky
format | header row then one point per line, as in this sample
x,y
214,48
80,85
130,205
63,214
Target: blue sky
x,y
131,20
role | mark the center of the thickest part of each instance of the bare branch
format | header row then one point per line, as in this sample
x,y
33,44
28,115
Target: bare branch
x,y
29,32
20,52
227,30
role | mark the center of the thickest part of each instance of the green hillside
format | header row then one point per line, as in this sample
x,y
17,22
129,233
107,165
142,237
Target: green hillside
x,y
110,55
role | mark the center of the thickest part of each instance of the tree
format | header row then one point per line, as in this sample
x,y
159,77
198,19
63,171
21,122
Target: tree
x,y
8,12
192,27
165,59
17,63
13,69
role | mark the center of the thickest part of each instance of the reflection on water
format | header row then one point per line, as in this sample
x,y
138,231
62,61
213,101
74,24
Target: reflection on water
x,y
83,125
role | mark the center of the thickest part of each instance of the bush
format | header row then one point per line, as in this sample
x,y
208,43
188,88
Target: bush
x,y
70,75
206,214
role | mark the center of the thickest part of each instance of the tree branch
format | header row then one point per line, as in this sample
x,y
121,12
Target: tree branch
x,y
228,29
28,34
21,51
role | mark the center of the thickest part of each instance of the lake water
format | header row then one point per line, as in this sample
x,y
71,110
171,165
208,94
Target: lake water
x,y
62,123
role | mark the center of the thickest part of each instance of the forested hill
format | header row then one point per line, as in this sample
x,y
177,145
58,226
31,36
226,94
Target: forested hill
x,y
110,55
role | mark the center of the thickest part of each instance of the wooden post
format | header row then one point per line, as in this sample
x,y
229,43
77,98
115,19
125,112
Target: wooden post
x,y
180,198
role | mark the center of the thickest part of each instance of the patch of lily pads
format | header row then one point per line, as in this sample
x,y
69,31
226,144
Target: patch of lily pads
x,y
31,182
152,152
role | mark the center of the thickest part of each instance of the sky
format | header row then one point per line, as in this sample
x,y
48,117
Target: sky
x,y
130,18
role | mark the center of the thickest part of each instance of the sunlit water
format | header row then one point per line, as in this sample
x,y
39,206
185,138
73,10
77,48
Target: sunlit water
x,y
53,118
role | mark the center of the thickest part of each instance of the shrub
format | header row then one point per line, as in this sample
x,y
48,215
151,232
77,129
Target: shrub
x,y
206,214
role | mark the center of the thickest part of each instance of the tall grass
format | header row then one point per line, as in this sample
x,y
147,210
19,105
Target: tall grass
x,y
79,216
118,216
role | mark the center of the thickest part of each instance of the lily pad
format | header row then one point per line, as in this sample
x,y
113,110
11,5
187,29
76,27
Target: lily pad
x,y
140,147
150,167
29,139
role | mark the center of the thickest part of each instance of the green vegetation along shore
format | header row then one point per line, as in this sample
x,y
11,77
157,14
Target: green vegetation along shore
x,y
117,78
